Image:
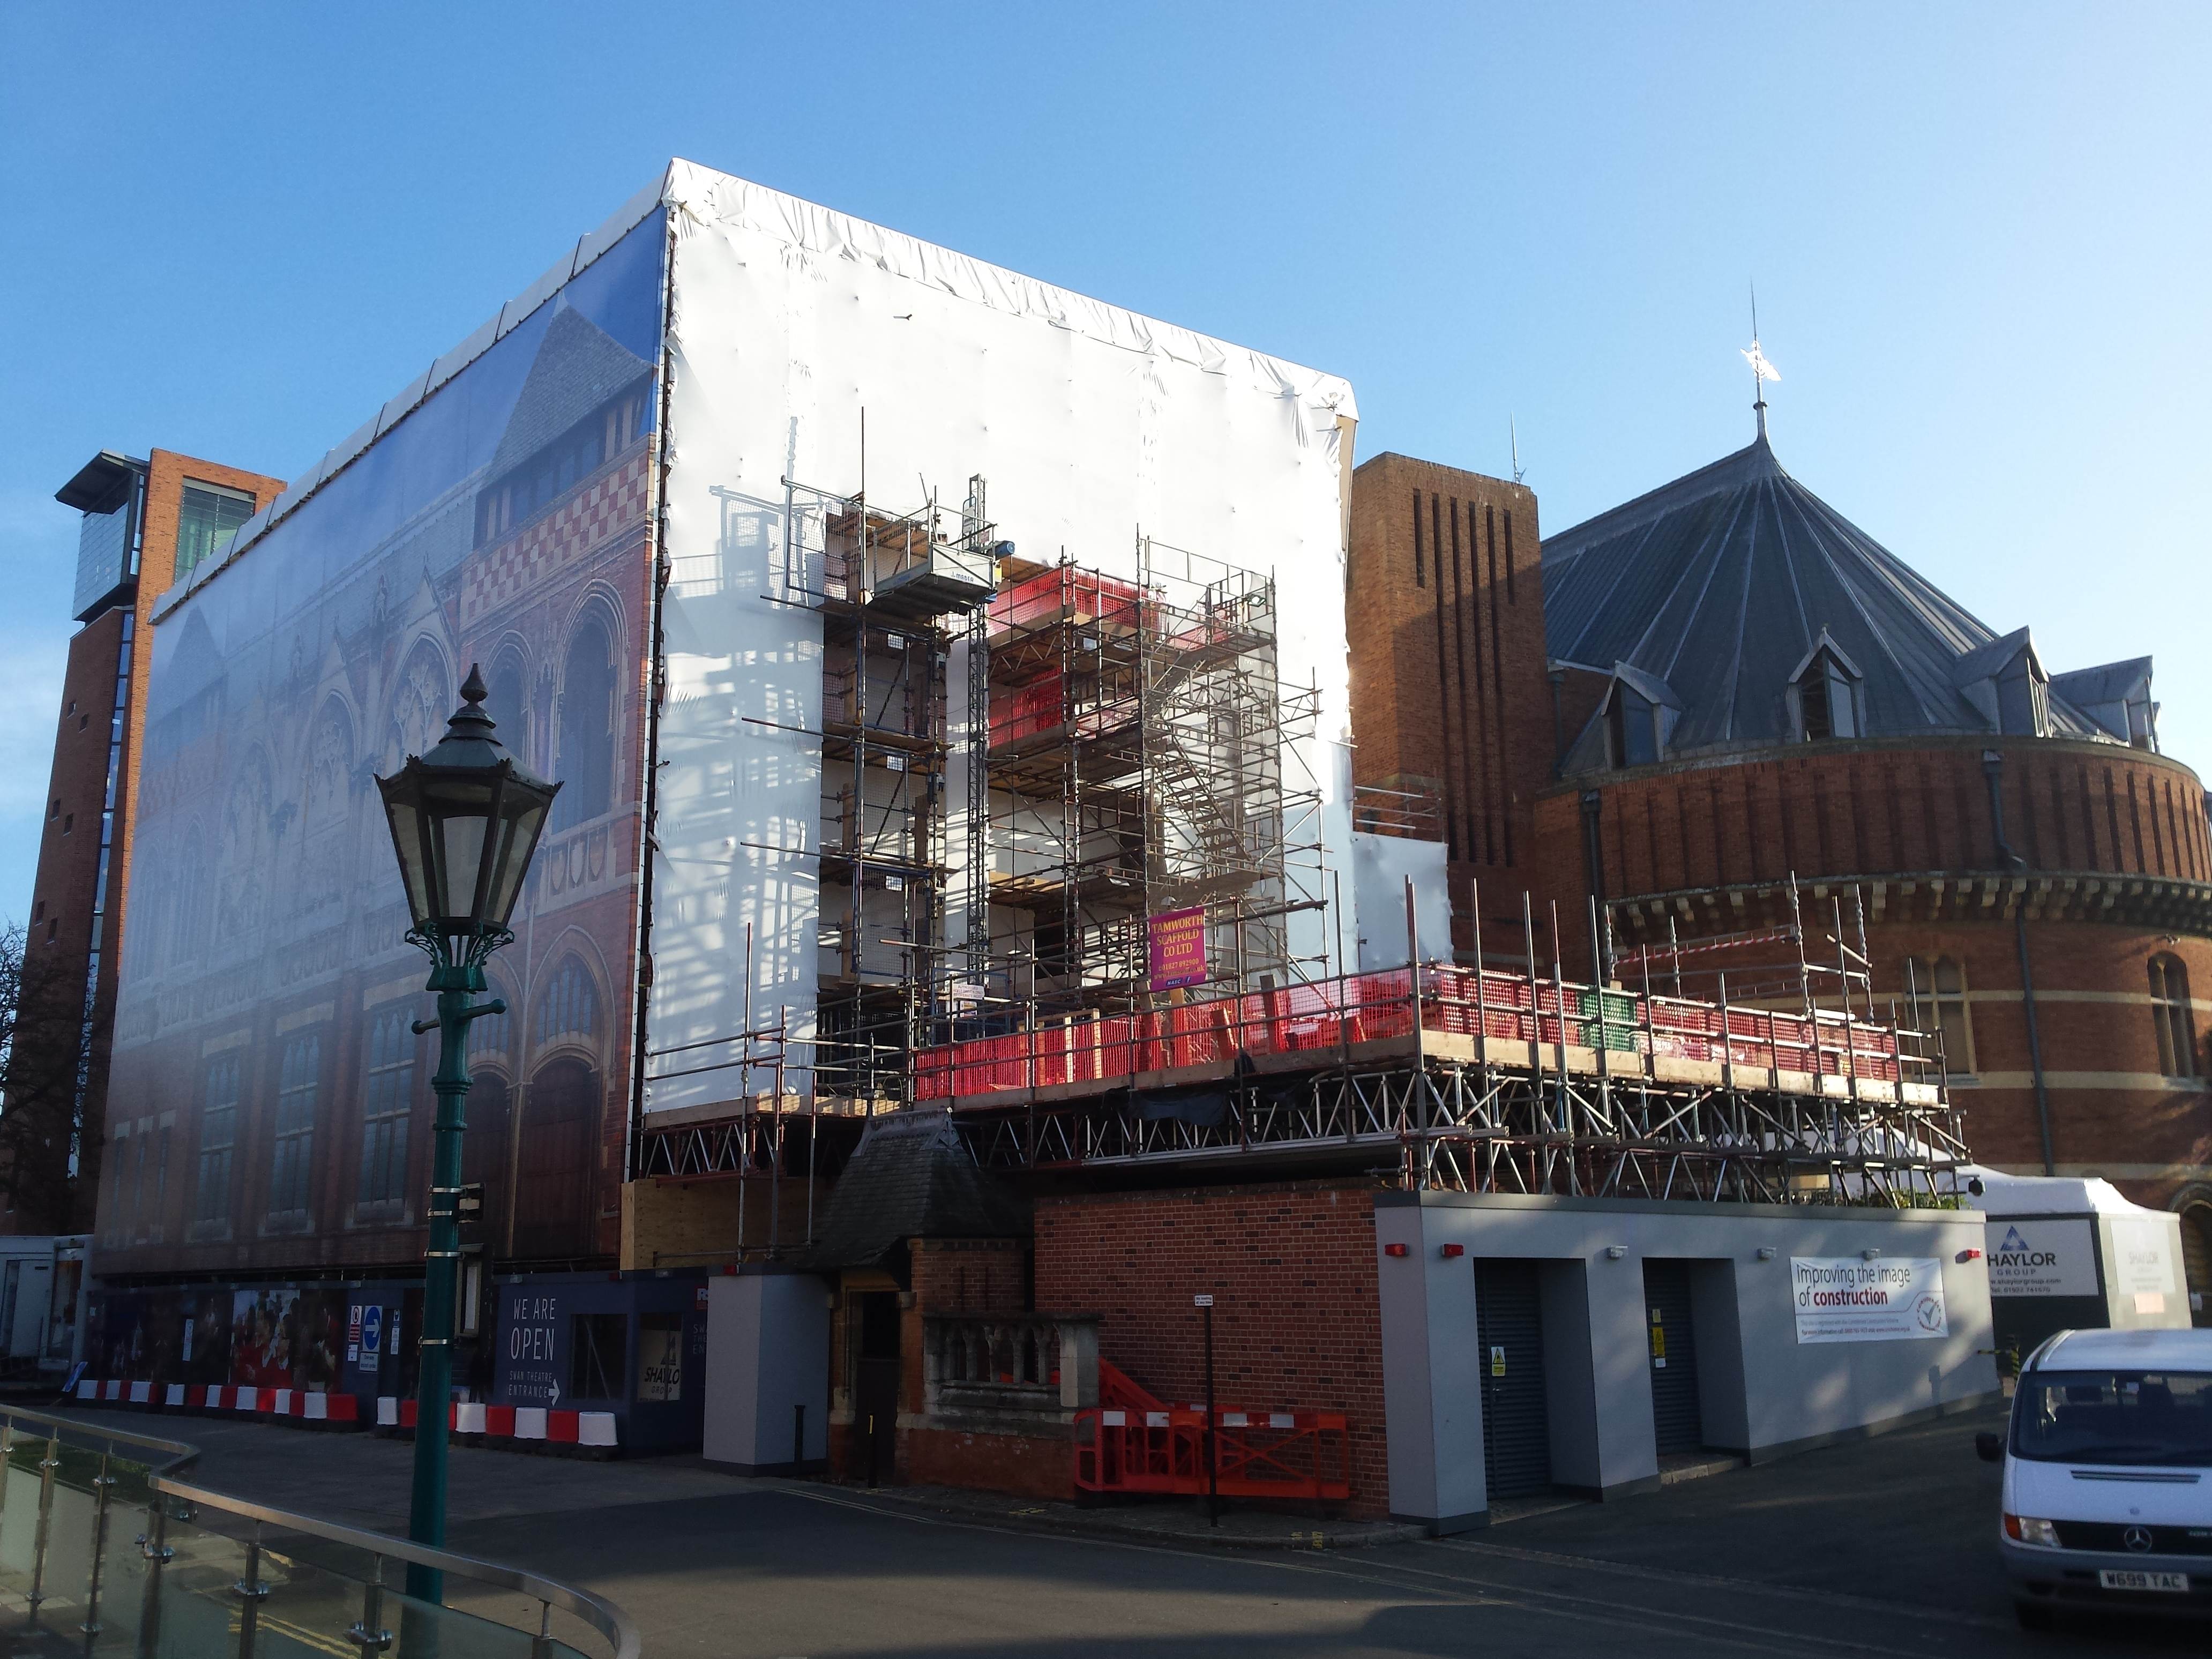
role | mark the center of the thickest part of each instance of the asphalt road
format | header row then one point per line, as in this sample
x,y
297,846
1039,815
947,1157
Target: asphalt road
x,y
1883,1548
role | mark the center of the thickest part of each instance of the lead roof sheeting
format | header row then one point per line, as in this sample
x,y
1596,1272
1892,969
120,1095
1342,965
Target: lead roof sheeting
x,y
2110,682
1721,582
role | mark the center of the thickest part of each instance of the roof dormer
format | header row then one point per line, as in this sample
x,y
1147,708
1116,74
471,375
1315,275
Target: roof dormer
x,y
2004,682
1639,713
1827,694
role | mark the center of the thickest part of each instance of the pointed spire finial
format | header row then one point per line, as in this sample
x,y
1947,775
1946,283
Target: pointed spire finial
x,y
1761,370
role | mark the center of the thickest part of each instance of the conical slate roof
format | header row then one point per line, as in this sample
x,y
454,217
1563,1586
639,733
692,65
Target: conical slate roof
x,y
1721,585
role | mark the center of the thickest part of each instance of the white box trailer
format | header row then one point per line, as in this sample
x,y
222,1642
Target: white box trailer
x,y
39,1330
2067,1253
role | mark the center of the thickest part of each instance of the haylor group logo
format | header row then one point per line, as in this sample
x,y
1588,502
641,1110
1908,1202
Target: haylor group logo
x,y
2017,1252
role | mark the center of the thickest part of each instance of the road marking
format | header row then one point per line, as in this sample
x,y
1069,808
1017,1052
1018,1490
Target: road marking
x,y
1464,1591
1716,1581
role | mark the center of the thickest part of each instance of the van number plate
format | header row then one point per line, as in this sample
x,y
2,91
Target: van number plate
x,y
2119,1578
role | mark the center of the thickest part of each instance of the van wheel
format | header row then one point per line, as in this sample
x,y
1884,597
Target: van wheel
x,y
2032,1615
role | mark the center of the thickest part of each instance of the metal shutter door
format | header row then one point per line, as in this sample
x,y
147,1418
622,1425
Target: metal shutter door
x,y
1673,1368
1517,1443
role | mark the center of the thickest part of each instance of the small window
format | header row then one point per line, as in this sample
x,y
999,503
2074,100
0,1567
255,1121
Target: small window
x,y
55,811
1824,695
83,720
597,1343
207,518
38,911
2171,1013
68,822
293,1153
388,1102
218,1135
1938,993
1631,735
1814,703
570,1006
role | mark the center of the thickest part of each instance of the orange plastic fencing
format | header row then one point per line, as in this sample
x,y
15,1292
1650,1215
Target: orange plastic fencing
x,y
1509,1010
1083,596
1130,1441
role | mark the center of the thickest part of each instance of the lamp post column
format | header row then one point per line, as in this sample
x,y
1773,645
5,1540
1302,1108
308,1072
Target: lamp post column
x,y
426,1522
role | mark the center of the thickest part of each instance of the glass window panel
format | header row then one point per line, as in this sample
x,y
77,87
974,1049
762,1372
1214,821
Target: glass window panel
x,y
207,518
387,1099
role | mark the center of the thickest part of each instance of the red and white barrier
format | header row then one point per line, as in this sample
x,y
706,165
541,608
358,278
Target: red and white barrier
x,y
538,1424
492,1425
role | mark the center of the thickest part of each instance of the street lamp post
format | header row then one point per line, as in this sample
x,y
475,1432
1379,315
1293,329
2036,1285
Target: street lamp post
x,y
465,819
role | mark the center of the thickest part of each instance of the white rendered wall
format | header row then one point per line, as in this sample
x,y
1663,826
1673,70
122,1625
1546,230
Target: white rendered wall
x,y
1089,424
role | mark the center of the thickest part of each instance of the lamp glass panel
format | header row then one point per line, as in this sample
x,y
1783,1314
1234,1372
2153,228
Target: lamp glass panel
x,y
524,823
462,842
407,842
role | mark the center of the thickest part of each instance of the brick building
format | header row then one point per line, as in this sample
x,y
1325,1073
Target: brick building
x,y
1745,688
1449,699
147,524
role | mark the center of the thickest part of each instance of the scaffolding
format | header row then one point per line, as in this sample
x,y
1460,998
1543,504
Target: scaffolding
x,y
1138,736
1480,1079
891,591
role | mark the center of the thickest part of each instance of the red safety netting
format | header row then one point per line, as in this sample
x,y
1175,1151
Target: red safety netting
x,y
1081,595
1509,1010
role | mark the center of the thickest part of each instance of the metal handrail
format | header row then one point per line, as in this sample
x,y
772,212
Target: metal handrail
x,y
601,1614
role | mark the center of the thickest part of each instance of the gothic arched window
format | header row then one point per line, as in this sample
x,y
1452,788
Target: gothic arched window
x,y
2171,1012
585,764
1938,989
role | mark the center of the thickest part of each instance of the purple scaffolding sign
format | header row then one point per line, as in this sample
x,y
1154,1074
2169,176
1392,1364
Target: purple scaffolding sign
x,y
1178,942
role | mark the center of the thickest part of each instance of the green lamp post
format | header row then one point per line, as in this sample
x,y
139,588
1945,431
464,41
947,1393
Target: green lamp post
x,y
465,819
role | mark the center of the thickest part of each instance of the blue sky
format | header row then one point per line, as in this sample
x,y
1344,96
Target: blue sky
x,y
1980,236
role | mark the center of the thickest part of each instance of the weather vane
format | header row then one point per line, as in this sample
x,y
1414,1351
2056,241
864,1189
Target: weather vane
x,y
1761,370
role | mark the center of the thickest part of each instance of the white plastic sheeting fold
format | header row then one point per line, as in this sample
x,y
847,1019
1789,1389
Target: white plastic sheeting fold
x,y
1091,423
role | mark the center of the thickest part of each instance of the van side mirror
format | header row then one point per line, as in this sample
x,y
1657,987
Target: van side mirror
x,y
1989,1447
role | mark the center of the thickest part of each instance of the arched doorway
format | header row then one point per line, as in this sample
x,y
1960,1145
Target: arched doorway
x,y
553,1190
2196,1258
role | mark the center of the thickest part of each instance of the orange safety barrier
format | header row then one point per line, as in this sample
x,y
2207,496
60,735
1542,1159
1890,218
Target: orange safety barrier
x,y
1133,1443
1509,1010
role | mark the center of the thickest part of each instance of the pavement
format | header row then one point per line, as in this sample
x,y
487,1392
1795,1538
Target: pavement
x,y
1881,1548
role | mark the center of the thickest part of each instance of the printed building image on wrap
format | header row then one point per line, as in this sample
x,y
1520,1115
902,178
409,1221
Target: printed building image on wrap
x,y
641,539
267,993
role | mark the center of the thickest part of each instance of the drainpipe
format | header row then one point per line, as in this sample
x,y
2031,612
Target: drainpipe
x,y
1593,842
1993,770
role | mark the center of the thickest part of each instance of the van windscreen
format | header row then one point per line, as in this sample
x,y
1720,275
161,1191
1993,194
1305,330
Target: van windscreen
x,y
2114,1417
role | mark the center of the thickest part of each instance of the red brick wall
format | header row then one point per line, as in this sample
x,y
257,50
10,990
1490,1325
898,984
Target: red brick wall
x,y
965,1275
1292,1268
1891,809
1877,809
1030,1465
1448,666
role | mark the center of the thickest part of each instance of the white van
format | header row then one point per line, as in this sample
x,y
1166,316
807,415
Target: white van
x,y
2108,1474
